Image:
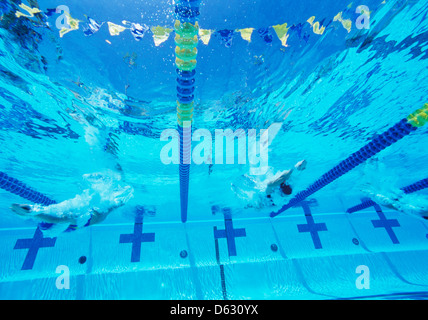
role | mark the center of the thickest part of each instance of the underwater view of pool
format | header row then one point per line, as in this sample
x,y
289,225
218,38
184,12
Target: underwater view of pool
x,y
213,150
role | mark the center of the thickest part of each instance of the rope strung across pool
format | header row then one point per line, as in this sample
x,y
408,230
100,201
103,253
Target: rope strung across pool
x,y
417,186
20,189
186,39
161,33
406,126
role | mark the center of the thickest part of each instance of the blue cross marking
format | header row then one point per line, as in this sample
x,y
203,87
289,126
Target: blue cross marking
x,y
33,245
312,227
137,237
388,224
229,233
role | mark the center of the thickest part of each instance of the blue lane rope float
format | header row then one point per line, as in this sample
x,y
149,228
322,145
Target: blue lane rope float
x,y
20,189
184,171
397,132
417,186
364,205
186,39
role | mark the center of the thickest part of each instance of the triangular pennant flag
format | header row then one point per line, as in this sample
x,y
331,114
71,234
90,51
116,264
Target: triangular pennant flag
x,y
316,26
71,22
50,12
31,11
92,27
282,33
346,23
311,20
115,29
205,35
317,29
87,32
265,34
246,33
227,37
306,37
298,29
160,34
138,31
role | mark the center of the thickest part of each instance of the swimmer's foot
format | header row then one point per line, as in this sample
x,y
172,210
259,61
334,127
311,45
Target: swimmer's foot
x,y
301,165
23,209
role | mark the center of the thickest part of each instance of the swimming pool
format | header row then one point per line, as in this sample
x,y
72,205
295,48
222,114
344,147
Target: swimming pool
x,y
176,98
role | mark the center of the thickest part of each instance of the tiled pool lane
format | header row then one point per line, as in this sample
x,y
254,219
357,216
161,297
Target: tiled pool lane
x,y
223,258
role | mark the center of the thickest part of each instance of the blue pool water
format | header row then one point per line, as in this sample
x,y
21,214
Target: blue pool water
x,y
98,97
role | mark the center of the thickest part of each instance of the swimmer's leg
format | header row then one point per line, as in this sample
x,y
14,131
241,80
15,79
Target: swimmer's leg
x,y
26,210
22,209
301,165
49,225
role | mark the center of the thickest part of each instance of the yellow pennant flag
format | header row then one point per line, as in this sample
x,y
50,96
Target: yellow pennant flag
x,y
160,34
246,33
282,33
311,20
31,11
115,29
346,23
73,23
316,26
205,35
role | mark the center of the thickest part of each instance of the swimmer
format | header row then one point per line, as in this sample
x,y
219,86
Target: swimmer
x,y
280,180
382,185
397,200
104,195
260,194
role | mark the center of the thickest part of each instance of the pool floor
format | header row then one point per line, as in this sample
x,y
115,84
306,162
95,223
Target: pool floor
x,y
303,255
